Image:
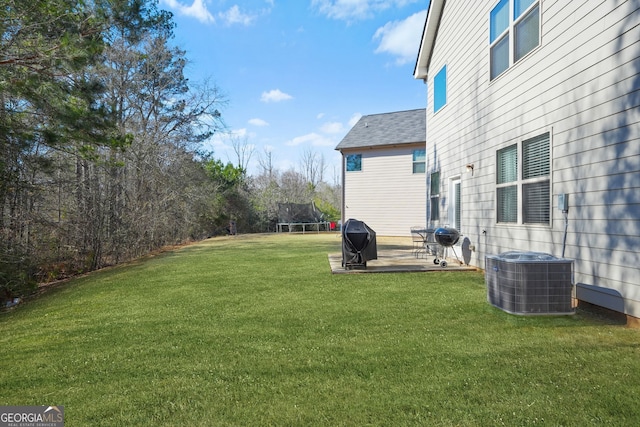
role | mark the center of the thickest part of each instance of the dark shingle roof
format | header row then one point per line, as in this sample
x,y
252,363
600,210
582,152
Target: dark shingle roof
x,y
376,130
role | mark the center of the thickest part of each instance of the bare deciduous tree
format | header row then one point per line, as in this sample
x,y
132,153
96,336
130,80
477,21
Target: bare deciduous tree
x,y
243,151
313,166
265,160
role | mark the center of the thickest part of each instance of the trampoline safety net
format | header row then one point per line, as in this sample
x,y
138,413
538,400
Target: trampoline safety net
x,y
298,212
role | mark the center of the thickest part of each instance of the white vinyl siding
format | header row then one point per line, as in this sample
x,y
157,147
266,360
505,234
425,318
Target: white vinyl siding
x,y
581,85
386,195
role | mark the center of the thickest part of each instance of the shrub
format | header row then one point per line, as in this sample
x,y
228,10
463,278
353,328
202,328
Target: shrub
x,y
17,275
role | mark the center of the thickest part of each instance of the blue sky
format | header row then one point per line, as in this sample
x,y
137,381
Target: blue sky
x,y
298,74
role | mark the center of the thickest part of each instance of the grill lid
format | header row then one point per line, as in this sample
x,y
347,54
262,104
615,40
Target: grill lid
x,y
446,236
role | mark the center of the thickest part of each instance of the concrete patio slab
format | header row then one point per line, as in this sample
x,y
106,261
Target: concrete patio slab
x,y
395,257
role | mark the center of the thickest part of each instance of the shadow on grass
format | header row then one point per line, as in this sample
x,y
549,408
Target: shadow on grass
x,y
584,316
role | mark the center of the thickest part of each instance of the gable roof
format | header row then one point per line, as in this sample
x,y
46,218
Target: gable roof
x,y
428,39
379,130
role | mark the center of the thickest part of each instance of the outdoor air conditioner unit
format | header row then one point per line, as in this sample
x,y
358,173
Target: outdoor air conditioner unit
x,y
529,283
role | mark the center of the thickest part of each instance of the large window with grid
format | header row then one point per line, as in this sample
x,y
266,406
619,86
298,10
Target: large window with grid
x,y
523,182
514,31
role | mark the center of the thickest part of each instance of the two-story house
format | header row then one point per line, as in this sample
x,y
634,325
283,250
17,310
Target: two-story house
x,y
383,171
532,104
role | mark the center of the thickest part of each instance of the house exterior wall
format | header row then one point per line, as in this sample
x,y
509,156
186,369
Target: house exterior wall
x,y
386,194
582,85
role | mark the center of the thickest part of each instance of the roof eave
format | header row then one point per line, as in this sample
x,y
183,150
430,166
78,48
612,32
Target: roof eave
x,y
421,70
381,146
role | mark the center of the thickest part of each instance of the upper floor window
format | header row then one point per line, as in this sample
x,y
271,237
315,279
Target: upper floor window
x,y
514,31
530,182
354,162
440,89
419,157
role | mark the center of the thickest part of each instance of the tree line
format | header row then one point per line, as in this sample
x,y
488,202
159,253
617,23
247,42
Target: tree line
x,y
101,136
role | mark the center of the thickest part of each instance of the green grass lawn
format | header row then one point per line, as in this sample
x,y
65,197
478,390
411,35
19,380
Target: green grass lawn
x,y
254,330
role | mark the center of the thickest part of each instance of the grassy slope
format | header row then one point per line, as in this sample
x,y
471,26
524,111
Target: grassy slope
x,y
256,331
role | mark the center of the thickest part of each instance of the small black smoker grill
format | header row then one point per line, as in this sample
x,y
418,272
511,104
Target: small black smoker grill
x,y
358,244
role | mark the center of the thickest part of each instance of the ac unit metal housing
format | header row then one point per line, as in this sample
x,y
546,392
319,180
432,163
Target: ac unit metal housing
x,y
528,283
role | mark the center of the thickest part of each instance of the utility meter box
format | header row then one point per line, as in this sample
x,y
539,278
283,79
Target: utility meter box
x,y
563,202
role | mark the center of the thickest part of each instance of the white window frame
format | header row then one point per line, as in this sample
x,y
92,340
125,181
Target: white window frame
x,y
455,208
439,75
415,163
521,182
513,183
510,32
346,162
434,198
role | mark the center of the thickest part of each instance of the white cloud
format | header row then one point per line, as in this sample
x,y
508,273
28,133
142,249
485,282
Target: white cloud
x,y
350,10
319,116
223,140
234,16
311,139
332,127
354,119
258,122
275,95
239,133
198,10
401,38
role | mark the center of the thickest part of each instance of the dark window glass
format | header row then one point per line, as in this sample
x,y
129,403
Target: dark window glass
x,y
354,162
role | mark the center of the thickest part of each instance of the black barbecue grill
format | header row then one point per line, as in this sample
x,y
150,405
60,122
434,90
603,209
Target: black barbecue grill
x,y
445,237
358,244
